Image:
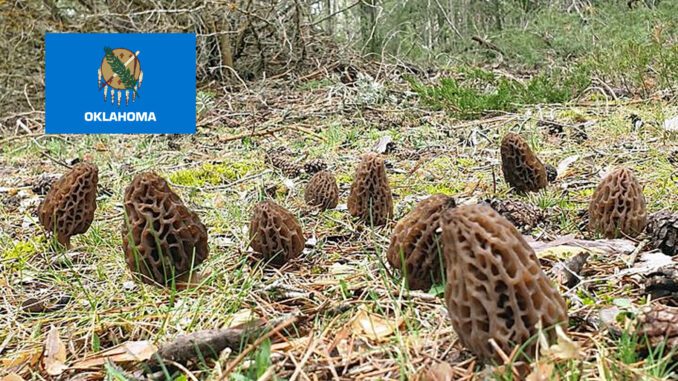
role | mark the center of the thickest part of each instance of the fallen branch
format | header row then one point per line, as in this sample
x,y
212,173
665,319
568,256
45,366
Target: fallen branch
x,y
255,345
251,134
210,343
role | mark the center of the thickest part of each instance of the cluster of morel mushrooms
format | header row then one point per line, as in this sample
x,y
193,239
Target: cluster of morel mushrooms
x,y
497,295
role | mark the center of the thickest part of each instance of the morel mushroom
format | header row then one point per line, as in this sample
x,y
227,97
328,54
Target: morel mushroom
x,y
68,209
162,239
275,233
521,167
618,206
495,288
322,191
415,243
370,198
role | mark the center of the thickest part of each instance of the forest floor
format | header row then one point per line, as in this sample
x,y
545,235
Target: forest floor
x,y
353,318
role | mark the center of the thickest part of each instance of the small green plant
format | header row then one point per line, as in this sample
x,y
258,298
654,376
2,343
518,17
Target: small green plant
x,y
260,361
17,256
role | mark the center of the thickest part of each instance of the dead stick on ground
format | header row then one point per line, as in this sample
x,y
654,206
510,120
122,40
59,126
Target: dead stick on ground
x,y
634,255
254,345
209,343
251,134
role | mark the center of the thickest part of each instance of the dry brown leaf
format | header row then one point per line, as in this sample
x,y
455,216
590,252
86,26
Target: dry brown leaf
x,y
131,351
542,372
54,356
565,164
12,377
372,326
436,372
564,349
30,358
240,317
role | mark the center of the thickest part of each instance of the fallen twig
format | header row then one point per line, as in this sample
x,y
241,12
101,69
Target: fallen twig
x,y
209,343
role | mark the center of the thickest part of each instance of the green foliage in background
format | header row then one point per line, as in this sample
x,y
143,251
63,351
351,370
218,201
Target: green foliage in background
x,y
635,50
481,92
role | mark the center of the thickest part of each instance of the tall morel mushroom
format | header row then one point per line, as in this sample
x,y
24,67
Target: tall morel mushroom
x,y
322,191
415,243
275,233
495,288
370,198
68,208
618,206
162,239
521,167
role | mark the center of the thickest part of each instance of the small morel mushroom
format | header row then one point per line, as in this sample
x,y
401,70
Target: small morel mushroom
x,y
415,243
162,239
618,206
495,288
314,166
322,191
662,228
370,198
68,209
521,167
275,233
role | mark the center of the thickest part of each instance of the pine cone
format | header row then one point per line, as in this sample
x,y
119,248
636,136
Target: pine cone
x,y
281,158
407,154
523,216
673,157
663,230
551,173
659,324
314,166
579,134
42,184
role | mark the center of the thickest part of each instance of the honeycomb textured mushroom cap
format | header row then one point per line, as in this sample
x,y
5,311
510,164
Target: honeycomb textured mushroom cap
x,y
370,198
162,239
69,206
618,206
495,288
415,243
275,233
521,167
322,191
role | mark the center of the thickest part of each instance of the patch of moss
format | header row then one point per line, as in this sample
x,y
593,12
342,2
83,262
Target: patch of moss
x,y
439,164
446,189
21,252
214,174
331,218
344,178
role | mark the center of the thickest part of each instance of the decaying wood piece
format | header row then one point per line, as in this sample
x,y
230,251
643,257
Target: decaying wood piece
x,y
210,343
